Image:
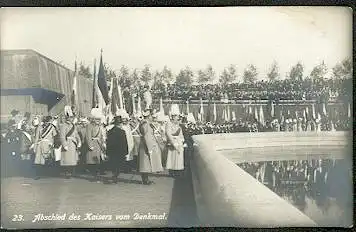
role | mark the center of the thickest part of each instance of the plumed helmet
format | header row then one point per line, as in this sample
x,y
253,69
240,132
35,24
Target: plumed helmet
x,y
160,116
96,113
122,113
68,111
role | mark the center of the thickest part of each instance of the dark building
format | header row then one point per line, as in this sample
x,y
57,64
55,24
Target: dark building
x,y
31,82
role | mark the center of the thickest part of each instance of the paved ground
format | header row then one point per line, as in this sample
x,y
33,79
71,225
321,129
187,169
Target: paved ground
x,y
170,198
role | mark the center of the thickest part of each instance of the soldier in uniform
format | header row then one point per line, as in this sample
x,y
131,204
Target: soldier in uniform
x,y
82,131
12,153
43,145
117,148
150,158
71,143
95,138
160,134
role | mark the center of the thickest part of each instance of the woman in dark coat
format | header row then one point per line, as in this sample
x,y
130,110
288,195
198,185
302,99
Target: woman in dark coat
x,y
116,148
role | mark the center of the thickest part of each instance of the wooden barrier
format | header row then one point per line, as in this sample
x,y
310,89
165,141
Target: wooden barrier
x,y
228,196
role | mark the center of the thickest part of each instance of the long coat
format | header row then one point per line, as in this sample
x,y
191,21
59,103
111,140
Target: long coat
x,y
95,139
175,155
43,143
160,135
116,147
69,138
150,159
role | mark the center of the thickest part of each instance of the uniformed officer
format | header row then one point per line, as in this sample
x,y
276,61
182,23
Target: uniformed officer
x,y
150,159
43,145
71,143
95,138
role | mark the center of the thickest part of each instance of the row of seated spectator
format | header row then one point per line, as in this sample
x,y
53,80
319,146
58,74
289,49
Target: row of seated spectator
x,y
307,89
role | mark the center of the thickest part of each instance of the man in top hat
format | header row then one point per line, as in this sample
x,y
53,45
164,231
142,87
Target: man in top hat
x,y
116,148
150,160
71,143
95,139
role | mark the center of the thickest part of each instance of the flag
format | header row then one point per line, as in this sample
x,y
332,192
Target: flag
x,y
324,109
233,116
114,96
101,101
349,110
102,81
161,105
256,113
201,109
74,98
272,109
98,100
224,115
250,109
307,111
313,111
296,114
304,114
228,113
262,117
119,92
133,104
199,117
188,107
208,112
139,111
94,103
214,112
111,88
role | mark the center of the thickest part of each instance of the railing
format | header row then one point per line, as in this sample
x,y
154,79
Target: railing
x,y
228,196
245,102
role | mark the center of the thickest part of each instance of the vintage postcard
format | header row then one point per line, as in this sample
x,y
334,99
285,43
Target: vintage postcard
x,y
176,117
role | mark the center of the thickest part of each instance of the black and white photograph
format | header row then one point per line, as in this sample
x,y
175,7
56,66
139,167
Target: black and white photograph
x,y
176,117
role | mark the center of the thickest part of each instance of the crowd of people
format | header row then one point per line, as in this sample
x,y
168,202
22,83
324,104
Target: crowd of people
x,y
147,142
288,89
295,180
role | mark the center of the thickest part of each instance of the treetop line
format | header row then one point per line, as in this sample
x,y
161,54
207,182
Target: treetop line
x,y
187,76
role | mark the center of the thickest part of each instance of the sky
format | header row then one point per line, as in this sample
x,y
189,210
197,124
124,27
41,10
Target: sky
x,y
179,37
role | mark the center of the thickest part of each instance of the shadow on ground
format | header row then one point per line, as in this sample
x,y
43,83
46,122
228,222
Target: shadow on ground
x,y
182,211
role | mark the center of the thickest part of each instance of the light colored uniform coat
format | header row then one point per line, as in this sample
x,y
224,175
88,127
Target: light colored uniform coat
x,y
96,140
149,163
69,157
43,144
175,155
